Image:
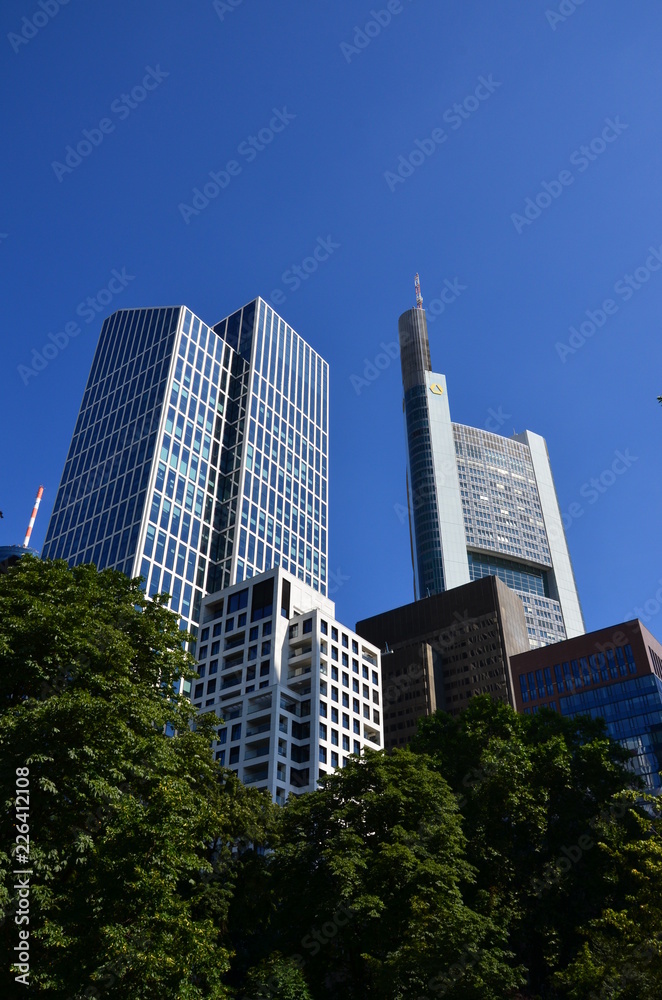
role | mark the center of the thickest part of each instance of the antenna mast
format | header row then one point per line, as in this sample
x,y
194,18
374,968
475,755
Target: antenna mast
x,y
40,493
419,297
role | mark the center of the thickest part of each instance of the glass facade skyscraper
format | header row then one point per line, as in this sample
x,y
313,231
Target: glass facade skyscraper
x,y
199,457
481,504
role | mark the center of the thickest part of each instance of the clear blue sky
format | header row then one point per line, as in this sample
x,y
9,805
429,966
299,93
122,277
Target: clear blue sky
x,y
358,109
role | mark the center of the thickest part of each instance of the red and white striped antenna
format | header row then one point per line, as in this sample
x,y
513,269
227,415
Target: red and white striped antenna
x,y
419,297
40,493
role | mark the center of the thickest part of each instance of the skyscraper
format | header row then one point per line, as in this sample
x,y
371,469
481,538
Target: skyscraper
x,y
481,504
199,457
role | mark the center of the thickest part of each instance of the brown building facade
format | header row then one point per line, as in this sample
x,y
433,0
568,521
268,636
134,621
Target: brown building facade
x,y
440,651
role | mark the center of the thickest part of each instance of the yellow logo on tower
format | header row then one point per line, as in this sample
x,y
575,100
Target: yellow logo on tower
x,y
437,389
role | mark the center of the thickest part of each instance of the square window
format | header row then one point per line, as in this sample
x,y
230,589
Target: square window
x,y
334,715
355,685
345,660
324,628
366,712
323,687
334,673
264,668
211,686
199,688
334,634
266,628
334,694
213,667
375,678
229,625
355,705
345,641
357,746
345,720
234,755
220,757
322,709
254,632
218,628
334,652
236,732
334,737
223,735
355,666
345,743
355,646
356,726
308,626
334,759
215,648
322,731
203,652
345,680
204,635
322,755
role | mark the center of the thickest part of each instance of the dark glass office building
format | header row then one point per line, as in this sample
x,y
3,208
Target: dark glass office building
x,y
199,457
614,673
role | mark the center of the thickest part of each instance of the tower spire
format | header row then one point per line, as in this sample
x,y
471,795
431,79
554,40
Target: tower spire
x,y
419,297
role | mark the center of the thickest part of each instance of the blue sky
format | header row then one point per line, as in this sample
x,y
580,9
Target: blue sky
x,y
358,98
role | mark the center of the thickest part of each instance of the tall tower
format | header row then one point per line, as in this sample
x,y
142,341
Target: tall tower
x,y
199,457
481,504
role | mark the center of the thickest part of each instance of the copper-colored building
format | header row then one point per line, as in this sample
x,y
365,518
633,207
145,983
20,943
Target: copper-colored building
x,y
614,673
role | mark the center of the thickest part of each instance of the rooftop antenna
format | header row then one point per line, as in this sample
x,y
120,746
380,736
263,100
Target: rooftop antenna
x,y
40,493
419,297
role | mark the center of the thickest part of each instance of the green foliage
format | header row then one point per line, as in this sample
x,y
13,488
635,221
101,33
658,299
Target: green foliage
x,y
277,977
538,795
123,818
367,888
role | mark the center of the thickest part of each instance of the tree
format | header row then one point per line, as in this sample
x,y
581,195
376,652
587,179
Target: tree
x,y
621,957
367,889
127,823
538,794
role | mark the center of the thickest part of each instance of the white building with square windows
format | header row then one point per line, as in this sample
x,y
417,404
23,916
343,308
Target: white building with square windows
x,y
297,692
